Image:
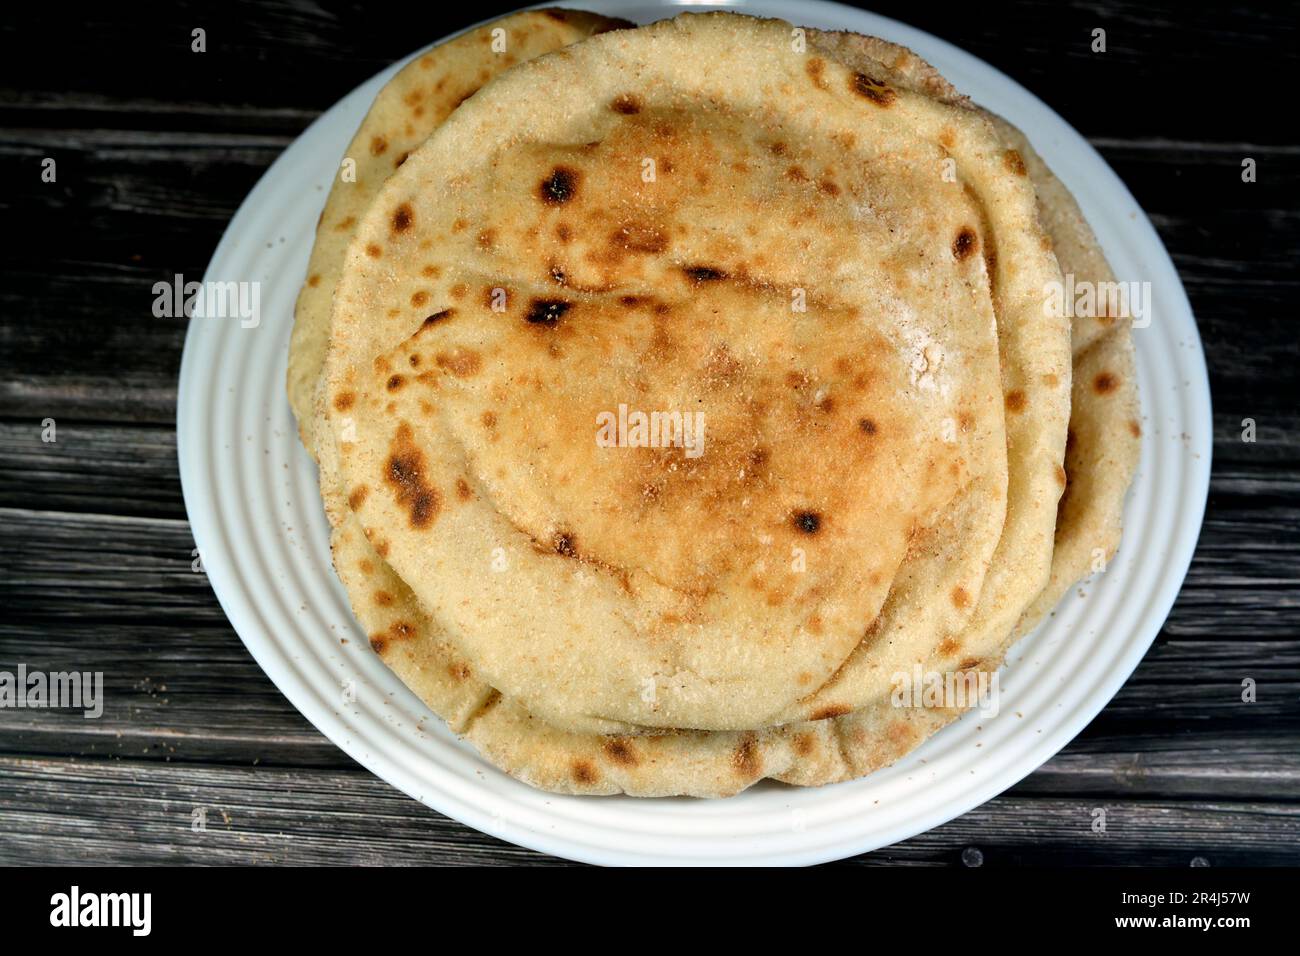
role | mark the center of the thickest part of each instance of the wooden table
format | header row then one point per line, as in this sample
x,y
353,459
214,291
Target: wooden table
x,y
156,146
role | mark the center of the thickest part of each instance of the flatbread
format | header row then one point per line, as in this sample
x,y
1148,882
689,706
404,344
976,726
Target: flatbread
x,y
451,401
716,764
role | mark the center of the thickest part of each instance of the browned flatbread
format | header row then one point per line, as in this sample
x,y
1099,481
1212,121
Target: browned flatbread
x,y
641,761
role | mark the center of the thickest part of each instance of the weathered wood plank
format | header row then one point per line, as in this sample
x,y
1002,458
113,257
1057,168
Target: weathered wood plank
x,y
1259,762
112,469
286,55
63,811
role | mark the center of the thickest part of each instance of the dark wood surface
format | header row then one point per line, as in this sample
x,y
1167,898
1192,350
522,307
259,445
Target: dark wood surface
x,y
157,146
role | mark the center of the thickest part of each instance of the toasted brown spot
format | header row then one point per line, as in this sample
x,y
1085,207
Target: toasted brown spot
x,y
563,232
345,224
419,298
461,362
395,382
367,567
559,187
965,243
1105,383
797,174
1051,380
809,522
899,733
463,491
562,542
313,280
459,671
585,772
960,597
946,138
969,664
374,251
804,744
1014,162
701,274
547,312
437,317
620,751
949,646
378,145
405,473
489,419
381,549
626,103
745,758
1135,429
816,67
383,598
403,217
1015,400
872,89
1061,477
867,426
358,496
378,643
831,711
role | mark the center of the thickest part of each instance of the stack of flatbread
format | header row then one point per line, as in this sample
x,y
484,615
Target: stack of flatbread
x,y
679,390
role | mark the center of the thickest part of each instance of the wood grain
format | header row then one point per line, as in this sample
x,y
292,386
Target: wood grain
x,y
143,812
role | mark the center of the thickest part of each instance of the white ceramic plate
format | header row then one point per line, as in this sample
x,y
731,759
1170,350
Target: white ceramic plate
x,y
250,490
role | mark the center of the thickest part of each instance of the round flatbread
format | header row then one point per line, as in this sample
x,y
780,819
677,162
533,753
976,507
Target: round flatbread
x,y
719,763
797,277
